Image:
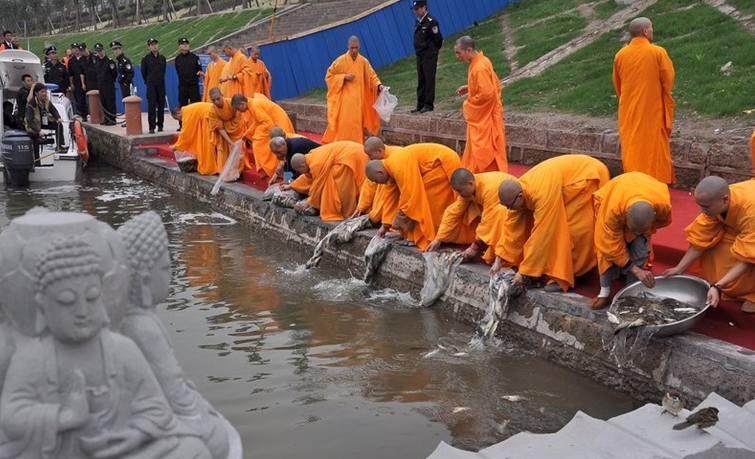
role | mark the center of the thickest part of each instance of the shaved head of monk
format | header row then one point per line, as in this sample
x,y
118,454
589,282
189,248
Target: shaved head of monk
x,y
279,148
277,131
255,54
228,48
240,102
640,217
216,96
511,195
462,181
712,195
353,45
374,148
176,113
213,53
641,27
464,49
299,163
376,172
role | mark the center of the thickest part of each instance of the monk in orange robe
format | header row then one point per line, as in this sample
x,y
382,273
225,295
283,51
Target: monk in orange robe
x,y
628,210
752,150
227,126
213,73
236,72
485,150
260,79
548,232
332,176
643,76
375,199
262,116
422,174
722,241
195,135
353,88
476,217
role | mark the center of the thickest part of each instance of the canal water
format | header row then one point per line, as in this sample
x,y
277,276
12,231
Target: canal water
x,y
314,363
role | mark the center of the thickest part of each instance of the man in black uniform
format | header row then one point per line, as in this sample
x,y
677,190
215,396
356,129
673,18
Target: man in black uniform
x,y
8,41
22,98
76,67
106,76
125,69
284,149
189,70
90,68
427,43
55,72
153,72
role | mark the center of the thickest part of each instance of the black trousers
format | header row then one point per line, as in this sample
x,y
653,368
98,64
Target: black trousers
x,y
125,90
188,94
426,67
107,99
155,105
80,97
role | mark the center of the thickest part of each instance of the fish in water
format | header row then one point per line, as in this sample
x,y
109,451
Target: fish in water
x,y
501,291
344,232
271,191
648,309
460,409
513,398
287,198
438,269
375,253
706,417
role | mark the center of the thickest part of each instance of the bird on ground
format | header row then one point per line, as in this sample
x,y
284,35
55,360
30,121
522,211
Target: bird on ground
x,y
706,417
672,402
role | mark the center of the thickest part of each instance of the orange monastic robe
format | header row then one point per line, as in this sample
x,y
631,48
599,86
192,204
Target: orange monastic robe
x,y
336,173
727,241
211,76
238,66
350,103
752,150
374,200
553,234
422,174
643,76
612,203
458,220
195,137
264,115
485,150
259,79
235,124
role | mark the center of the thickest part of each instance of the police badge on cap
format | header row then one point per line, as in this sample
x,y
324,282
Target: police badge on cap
x,y
418,4
115,44
51,49
151,40
181,41
98,47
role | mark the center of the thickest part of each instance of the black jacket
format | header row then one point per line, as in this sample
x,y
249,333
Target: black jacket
x,y
427,36
187,66
106,72
125,70
296,145
153,69
56,74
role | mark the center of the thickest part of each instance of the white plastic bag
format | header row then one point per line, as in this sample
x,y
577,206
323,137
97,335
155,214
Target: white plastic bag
x,y
231,169
385,104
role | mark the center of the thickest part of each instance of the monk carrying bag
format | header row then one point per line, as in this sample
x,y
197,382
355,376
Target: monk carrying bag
x,y
385,104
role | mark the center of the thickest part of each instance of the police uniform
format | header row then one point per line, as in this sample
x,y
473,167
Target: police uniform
x,y
106,76
76,68
153,72
56,73
427,43
90,69
125,70
188,66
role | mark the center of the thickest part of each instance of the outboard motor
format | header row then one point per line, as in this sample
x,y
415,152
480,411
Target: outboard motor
x,y
17,156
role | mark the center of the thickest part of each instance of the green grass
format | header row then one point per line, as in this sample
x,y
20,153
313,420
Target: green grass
x,y
606,9
198,30
525,12
539,39
744,6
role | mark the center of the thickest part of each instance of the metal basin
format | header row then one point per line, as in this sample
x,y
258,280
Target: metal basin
x,y
688,289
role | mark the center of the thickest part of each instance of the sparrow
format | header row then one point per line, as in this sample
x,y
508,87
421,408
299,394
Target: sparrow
x,y
706,417
672,402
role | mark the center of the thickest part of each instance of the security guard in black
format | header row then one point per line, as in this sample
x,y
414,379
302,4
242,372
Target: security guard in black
x,y
153,73
427,43
125,68
106,76
55,72
189,68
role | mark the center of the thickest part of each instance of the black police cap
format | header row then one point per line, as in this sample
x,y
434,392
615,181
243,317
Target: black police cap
x,y
181,41
74,45
50,49
152,40
115,44
98,46
82,46
418,4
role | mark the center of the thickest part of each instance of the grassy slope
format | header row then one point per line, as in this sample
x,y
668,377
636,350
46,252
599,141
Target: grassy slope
x,y
541,38
134,39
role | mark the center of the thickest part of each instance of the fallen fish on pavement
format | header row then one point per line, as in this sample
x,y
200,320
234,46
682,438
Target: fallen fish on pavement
x,y
438,269
344,232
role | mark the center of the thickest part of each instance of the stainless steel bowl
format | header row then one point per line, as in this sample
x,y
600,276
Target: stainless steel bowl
x,y
688,289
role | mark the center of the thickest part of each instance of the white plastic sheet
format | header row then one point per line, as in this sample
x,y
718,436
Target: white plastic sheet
x,y
385,104
230,171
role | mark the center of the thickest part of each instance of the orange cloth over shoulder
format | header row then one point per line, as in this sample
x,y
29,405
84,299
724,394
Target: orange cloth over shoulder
x,y
260,80
727,241
195,137
485,149
378,200
612,203
643,76
238,66
336,173
263,116
211,76
457,224
422,173
234,123
553,234
350,103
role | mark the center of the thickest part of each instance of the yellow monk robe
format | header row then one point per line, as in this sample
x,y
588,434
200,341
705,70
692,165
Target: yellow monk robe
x,y
460,216
643,76
263,116
336,173
752,150
195,137
377,199
211,76
727,241
235,124
553,234
612,203
485,150
350,103
238,66
259,79
422,173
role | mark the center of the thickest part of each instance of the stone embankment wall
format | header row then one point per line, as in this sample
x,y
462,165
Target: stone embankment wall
x,y
559,327
693,160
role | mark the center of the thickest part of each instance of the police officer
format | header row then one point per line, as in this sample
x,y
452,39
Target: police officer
x,y
106,76
427,43
189,70
55,72
153,73
125,69
76,67
90,68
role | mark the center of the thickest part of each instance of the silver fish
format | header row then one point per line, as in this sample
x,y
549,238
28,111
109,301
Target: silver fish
x,y
513,398
270,192
287,198
375,253
438,269
306,210
344,232
647,309
498,304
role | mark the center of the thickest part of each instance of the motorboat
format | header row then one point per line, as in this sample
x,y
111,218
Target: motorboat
x,y
58,163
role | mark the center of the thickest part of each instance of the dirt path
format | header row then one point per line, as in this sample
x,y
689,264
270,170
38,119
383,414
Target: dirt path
x,y
744,20
510,49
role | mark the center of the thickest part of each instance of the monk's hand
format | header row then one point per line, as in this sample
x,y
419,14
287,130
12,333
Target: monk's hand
x,y
470,253
675,271
272,179
349,77
644,276
285,187
518,280
302,205
463,90
383,230
713,296
120,443
356,213
435,245
497,265
75,410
